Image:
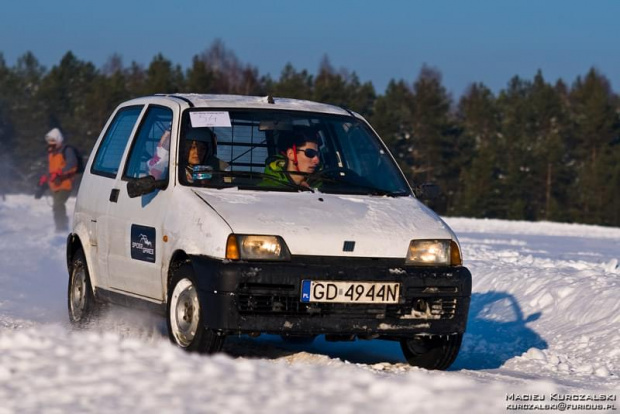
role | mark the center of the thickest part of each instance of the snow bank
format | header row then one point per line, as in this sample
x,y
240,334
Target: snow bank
x,y
544,319
536,228
49,370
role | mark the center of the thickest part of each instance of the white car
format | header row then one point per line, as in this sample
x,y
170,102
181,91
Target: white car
x,y
190,206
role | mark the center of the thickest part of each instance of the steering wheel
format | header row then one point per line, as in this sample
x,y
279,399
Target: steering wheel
x,y
336,175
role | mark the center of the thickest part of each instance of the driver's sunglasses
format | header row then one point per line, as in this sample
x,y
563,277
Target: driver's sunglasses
x,y
309,152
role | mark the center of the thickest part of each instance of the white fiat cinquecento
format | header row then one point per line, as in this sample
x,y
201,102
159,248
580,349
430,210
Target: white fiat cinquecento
x,y
248,215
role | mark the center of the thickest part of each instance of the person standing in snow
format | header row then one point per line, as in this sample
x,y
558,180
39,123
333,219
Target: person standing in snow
x,y
62,167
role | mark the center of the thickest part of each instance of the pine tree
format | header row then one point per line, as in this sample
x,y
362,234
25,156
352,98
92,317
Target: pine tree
x,y
65,90
6,130
516,162
597,126
109,89
251,82
362,96
135,76
329,86
162,77
434,140
481,144
536,151
551,150
225,73
199,78
293,84
392,118
114,76
29,121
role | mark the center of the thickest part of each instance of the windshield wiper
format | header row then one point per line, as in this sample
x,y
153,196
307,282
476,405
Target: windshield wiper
x,y
250,174
382,192
339,176
364,190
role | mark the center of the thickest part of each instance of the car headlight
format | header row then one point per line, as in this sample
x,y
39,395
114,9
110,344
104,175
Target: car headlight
x,y
434,253
250,247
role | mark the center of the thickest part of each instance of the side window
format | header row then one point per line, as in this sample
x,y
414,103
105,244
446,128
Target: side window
x,y
108,158
150,152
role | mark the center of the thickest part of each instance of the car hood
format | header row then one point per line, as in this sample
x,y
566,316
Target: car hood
x,y
319,224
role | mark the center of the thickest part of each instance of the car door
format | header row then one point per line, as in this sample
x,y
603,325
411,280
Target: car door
x,y
135,225
98,183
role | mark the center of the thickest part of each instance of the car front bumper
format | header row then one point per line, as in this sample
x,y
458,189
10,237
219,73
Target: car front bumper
x,y
265,297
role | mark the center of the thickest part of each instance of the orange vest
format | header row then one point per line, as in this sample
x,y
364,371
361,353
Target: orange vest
x,y
56,161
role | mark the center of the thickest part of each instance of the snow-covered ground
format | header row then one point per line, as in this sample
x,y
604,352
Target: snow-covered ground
x,y
544,322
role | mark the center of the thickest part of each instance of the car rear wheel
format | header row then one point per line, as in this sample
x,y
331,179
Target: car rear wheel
x,y
431,352
81,301
184,315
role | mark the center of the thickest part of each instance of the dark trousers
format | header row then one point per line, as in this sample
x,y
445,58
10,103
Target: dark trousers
x,y
60,211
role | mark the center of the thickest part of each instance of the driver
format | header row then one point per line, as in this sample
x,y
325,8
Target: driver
x,y
299,157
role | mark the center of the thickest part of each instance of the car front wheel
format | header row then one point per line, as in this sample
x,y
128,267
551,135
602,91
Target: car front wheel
x,y
431,352
184,315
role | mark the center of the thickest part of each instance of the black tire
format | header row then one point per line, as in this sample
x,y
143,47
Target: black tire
x,y
184,315
81,302
431,352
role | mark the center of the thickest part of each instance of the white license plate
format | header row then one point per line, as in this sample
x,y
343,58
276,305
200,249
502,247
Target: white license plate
x,y
349,292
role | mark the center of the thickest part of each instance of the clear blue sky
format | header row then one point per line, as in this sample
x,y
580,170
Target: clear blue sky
x,y
468,41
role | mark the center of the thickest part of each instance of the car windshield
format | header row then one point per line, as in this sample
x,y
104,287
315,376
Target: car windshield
x,y
285,151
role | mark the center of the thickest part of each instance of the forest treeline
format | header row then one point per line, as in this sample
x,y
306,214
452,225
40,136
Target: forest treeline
x,y
532,151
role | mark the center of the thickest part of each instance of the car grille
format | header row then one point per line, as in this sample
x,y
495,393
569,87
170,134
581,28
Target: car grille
x,y
283,304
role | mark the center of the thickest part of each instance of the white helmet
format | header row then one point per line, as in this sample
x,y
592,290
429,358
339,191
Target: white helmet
x,y
54,137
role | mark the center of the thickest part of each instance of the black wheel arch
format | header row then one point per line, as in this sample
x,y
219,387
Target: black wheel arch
x,y
180,258
73,245
177,259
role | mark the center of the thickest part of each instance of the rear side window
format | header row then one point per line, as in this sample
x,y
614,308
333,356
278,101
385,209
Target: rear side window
x,y
108,158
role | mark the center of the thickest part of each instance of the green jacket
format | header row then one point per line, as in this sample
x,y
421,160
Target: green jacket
x,y
275,168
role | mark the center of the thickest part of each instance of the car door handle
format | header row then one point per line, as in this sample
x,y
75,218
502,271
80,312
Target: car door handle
x,y
114,195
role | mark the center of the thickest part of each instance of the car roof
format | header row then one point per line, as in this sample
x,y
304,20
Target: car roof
x,y
259,102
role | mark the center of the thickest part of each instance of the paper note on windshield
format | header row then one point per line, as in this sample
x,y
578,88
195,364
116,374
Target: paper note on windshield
x,y
209,119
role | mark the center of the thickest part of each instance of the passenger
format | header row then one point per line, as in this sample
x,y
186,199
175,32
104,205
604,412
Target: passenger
x,y
158,164
298,158
200,148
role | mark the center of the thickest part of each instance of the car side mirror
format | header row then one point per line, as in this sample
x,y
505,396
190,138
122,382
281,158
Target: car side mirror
x,y
137,187
427,191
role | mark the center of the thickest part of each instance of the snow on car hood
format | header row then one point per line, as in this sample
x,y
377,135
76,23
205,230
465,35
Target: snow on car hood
x,y
319,224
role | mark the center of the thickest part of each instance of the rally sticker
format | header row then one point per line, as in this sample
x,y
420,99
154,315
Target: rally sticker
x,y
209,119
143,243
